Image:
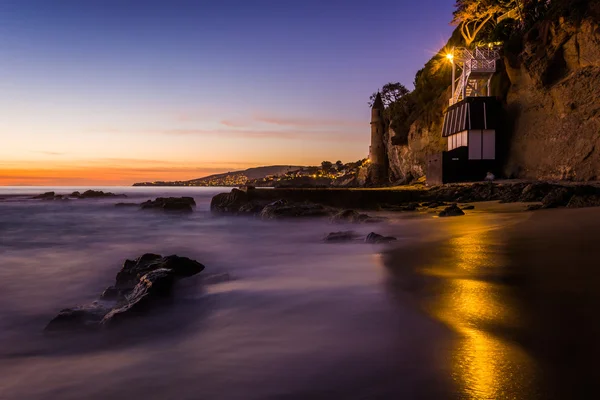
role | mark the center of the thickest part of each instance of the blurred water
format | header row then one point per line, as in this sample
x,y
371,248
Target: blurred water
x,y
301,319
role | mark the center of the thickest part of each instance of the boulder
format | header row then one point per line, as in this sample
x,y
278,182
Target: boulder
x,y
78,318
230,202
351,216
557,197
138,285
283,209
584,200
48,196
452,211
535,191
170,204
377,238
337,237
94,194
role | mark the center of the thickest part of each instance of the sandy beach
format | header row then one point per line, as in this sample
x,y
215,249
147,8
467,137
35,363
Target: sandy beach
x,y
520,297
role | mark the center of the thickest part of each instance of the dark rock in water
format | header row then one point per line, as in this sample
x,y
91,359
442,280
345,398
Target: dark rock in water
x,y
533,207
584,200
452,211
535,191
468,207
94,194
140,282
151,286
170,204
48,196
127,205
229,202
349,216
336,237
557,197
78,318
283,209
377,238
251,208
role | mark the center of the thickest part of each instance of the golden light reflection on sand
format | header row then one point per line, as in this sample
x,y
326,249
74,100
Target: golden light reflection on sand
x,y
471,302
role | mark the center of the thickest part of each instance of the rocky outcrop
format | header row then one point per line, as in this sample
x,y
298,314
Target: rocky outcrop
x,y
353,217
339,237
88,194
552,104
138,285
451,211
553,97
94,194
169,204
284,209
235,202
376,238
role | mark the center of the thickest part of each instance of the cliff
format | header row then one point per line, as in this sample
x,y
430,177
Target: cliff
x,y
549,82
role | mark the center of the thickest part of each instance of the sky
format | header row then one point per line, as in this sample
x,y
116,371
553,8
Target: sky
x,y
112,92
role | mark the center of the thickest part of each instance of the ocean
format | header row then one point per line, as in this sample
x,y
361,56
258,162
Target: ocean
x,y
452,309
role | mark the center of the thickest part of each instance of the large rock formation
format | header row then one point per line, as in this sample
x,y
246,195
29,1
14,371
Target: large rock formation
x,y
140,283
553,108
554,99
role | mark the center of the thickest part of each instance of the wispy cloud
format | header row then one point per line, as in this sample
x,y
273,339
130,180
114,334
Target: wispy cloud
x,y
49,153
308,122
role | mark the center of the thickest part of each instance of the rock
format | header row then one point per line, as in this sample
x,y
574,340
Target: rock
x,y
151,286
452,211
170,204
584,200
377,238
468,207
284,209
95,194
78,318
535,192
47,196
229,202
337,237
138,284
251,208
558,197
351,216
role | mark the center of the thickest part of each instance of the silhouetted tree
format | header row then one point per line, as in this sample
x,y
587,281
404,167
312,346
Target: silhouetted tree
x,y
326,166
390,93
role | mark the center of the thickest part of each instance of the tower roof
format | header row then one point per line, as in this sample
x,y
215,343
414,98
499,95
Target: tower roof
x,y
378,103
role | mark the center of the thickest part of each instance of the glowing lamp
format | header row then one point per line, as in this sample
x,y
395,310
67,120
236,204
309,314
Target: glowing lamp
x,y
450,56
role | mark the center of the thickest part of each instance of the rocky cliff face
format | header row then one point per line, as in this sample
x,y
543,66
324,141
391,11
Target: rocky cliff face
x,y
553,107
555,100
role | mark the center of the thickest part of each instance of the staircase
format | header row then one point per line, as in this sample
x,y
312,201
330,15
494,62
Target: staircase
x,y
477,68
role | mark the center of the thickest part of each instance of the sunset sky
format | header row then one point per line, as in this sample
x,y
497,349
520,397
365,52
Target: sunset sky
x,y
111,92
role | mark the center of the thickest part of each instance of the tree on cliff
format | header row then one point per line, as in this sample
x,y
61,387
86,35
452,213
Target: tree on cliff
x,y
471,16
390,93
326,166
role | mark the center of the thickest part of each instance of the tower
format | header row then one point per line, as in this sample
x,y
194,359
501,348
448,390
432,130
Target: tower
x,y
377,153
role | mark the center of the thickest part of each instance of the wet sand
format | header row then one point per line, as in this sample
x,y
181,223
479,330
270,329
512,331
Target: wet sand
x,y
520,293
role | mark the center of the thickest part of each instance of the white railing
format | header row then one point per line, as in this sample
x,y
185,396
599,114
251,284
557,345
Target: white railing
x,y
481,60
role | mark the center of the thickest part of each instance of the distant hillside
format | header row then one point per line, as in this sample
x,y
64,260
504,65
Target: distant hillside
x,y
234,178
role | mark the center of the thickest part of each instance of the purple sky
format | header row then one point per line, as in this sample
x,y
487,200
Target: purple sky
x,y
178,89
